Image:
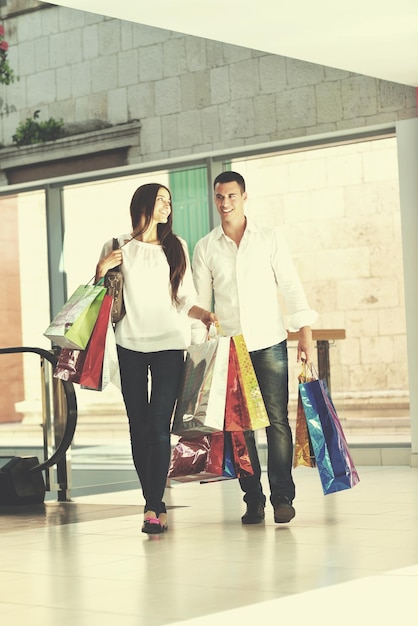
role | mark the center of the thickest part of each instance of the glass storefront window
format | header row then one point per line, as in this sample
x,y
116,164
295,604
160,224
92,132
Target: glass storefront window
x,y
96,212
25,307
339,208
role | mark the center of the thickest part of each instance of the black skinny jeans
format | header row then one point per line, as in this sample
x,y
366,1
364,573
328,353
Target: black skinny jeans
x,y
149,415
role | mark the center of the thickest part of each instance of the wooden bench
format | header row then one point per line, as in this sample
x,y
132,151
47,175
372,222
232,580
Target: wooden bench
x,y
322,338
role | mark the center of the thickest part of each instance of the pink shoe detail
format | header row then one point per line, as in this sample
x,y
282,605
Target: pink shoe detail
x,y
153,526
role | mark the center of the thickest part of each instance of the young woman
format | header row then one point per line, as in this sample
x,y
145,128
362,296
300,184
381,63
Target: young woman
x,y
159,297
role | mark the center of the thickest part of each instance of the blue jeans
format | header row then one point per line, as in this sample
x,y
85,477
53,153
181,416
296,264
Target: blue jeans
x,y
271,368
150,417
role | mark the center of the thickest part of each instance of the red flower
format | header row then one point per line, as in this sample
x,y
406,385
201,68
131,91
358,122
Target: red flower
x,y
6,73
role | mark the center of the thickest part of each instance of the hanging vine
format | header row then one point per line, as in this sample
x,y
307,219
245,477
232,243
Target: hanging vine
x,y
7,75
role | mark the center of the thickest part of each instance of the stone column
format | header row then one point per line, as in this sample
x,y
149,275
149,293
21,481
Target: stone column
x,y
407,138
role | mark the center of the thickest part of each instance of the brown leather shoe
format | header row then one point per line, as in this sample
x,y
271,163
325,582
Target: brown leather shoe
x,y
284,512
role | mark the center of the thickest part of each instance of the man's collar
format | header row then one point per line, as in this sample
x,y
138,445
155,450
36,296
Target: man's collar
x,y
218,231
251,226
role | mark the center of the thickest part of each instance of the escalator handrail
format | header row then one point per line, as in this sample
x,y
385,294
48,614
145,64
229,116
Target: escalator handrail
x,y
71,401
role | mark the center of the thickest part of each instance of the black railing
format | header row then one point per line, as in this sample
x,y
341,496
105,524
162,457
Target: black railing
x,y
62,424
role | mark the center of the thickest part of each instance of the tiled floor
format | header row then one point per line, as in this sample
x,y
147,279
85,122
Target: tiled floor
x,y
347,558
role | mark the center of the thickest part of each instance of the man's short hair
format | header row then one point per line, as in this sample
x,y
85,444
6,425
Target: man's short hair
x,y
230,177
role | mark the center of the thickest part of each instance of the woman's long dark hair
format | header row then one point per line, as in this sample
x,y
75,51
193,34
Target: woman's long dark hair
x,y
142,210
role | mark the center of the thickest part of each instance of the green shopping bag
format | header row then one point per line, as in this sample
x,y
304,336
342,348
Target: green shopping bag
x,y
73,325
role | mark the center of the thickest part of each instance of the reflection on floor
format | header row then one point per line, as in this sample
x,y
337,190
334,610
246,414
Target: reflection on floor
x,y
48,514
347,558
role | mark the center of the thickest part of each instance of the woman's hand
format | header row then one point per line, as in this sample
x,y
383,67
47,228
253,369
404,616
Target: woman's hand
x,y
206,317
113,259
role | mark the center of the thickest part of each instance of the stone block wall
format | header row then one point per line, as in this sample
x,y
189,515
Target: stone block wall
x,y
192,95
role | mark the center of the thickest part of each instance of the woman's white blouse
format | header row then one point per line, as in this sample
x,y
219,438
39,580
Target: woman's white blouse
x,y
152,322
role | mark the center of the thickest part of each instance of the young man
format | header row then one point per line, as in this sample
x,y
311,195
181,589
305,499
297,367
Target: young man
x,y
243,266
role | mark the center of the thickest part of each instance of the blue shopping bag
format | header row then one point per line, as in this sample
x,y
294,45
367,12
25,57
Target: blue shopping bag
x,y
330,448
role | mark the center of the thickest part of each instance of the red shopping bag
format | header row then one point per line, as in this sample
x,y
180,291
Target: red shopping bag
x,y
211,458
237,462
242,458
237,417
228,466
91,376
198,458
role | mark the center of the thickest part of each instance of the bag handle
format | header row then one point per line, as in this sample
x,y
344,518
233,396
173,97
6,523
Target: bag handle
x,y
307,368
215,330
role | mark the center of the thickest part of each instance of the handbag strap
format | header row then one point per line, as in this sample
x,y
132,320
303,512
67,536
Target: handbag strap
x,y
116,246
115,241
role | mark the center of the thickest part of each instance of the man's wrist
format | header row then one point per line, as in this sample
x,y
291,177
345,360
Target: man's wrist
x,y
306,330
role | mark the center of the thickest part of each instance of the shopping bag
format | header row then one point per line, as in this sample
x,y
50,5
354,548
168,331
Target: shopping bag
x,y
228,467
303,454
73,325
197,458
249,384
237,417
69,364
237,459
91,375
111,372
333,459
200,406
229,470
242,458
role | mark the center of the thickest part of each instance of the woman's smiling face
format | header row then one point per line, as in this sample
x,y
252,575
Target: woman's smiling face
x,y
162,207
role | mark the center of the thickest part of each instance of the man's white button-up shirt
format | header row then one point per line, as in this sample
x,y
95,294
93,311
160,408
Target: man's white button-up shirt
x,y
245,281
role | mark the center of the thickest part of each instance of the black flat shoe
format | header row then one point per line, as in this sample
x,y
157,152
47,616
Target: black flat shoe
x,y
153,526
